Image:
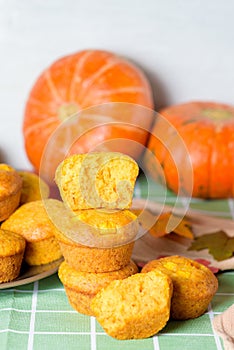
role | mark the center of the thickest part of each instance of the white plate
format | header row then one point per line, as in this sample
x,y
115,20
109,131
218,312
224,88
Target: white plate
x,y
33,273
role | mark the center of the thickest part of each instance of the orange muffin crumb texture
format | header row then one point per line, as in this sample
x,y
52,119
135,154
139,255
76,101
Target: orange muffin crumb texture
x,y
97,180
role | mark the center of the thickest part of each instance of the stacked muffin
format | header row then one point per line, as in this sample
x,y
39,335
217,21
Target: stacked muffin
x,y
97,188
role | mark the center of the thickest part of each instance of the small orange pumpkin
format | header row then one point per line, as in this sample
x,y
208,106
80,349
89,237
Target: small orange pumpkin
x,y
207,130
78,81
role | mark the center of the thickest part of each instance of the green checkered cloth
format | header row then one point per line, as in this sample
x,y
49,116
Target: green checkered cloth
x,y
38,315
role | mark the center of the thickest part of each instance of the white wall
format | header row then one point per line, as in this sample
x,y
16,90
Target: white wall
x,y
185,47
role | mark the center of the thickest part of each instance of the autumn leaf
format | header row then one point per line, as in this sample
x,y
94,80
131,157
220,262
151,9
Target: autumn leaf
x,y
159,227
219,244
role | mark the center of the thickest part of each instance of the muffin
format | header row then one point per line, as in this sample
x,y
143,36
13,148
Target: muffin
x,y
136,307
194,285
10,190
88,248
97,180
12,248
91,259
33,187
81,287
32,222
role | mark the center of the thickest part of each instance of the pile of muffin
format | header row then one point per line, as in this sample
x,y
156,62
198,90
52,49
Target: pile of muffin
x,y
104,282
94,230
27,233
104,216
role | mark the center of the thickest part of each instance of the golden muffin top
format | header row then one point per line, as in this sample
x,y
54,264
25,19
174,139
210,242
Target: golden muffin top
x,y
10,243
10,181
186,274
95,227
106,219
32,221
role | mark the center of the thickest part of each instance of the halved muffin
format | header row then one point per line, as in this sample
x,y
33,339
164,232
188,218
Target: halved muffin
x,y
97,180
136,307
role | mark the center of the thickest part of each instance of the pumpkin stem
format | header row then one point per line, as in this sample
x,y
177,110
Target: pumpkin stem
x,y
67,110
217,114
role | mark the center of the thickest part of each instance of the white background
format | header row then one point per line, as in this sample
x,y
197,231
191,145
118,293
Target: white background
x,y
186,48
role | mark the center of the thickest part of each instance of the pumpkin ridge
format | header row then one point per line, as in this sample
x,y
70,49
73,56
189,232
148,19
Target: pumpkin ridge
x,y
88,82
78,67
52,87
42,123
34,101
40,109
44,117
106,93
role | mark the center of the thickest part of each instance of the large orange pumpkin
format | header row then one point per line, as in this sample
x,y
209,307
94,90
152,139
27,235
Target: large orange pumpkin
x,y
207,130
78,81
